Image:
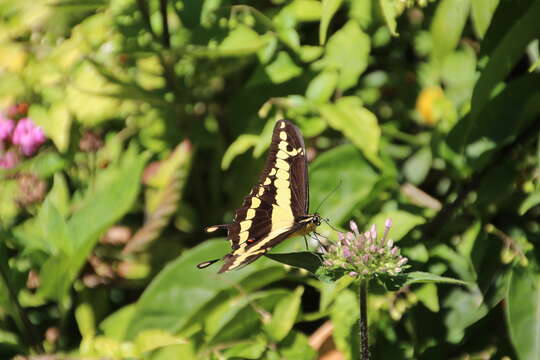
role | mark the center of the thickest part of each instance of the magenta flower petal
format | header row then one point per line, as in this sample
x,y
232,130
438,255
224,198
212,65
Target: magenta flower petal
x,y
28,136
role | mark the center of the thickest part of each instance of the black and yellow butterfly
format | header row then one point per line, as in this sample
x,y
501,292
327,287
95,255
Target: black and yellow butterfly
x,y
277,206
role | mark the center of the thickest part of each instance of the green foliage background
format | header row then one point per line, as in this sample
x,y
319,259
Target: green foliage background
x,y
425,112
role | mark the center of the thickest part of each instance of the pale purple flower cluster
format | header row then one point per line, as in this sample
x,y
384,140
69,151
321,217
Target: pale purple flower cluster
x,y
363,254
18,137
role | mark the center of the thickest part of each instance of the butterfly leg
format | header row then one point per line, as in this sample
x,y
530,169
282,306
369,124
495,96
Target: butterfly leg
x,y
305,242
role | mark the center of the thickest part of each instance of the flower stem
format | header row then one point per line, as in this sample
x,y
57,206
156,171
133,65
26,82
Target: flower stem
x,y
363,322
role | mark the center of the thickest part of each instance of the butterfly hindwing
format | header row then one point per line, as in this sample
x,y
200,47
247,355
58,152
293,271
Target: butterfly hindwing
x,y
271,211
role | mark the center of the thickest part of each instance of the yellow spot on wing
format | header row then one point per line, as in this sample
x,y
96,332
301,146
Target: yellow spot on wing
x,y
255,202
281,164
282,155
283,135
282,174
211,229
282,125
272,172
245,225
250,214
267,181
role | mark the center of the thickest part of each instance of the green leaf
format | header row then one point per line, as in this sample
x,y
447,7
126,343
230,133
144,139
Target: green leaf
x,y
504,56
530,201
352,119
523,312
305,10
351,169
304,260
282,69
241,41
402,222
465,309
322,87
149,340
347,52
418,165
481,136
251,349
116,324
115,191
238,147
180,290
329,9
296,346
427,295
388,11
447,26
285,315
344,315
398,281
482,11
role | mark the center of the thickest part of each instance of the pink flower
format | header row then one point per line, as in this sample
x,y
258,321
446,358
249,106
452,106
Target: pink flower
x,y
28,136
8,160
6,127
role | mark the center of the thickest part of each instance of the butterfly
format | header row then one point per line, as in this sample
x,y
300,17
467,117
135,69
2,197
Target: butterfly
x,y
277,206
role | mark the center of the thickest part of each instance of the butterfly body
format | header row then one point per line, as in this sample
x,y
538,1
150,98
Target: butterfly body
x,y
277,206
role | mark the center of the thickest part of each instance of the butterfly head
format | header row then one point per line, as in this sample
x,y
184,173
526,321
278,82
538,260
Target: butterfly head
x,y
316,219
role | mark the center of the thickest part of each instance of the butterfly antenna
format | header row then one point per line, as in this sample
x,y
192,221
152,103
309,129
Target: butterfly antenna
x,y
329,194
327,221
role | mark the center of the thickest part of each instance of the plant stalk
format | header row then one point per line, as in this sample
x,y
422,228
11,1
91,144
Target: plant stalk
x,y
363,321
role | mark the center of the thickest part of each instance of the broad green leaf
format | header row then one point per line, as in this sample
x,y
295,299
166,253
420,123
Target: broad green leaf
x,y
465,308
357,123
149,340
305,260
402,222
235,318
241,41
86,96
427,295
296,346
116,324
347,52
306,10
447,26
285,315
344,315
354,175
388,10
481,136
523,312
250,349
504,56
530,201
322,87
238,147
282,69
482,12
398,281
56,123
329,8
418,165
115,191
180,290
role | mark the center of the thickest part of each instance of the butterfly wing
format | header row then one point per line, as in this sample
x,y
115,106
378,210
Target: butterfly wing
x,y
269,213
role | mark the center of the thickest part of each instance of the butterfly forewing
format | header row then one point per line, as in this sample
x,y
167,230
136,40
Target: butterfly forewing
x,y
270,213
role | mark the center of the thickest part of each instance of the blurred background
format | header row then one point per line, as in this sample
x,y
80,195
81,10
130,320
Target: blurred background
x,y
127,126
